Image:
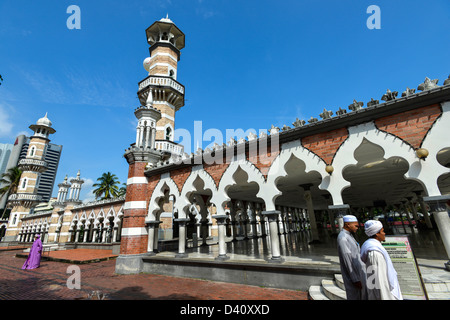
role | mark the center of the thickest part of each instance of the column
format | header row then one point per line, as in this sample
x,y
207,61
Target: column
x,y
147,136
182,238
153,137
272,217
138,136
152,230
413,209
405,207
86,232
341,210
438,207
310,209
253,221
221,222
423,206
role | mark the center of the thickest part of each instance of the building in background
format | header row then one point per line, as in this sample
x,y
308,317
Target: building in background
x,y
47,180
10,155
5,152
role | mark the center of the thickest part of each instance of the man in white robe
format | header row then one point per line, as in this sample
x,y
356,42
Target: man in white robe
x,y
382,282
352,268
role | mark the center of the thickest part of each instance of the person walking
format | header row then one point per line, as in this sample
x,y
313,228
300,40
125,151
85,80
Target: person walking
x,y
352,268
34,257
382,282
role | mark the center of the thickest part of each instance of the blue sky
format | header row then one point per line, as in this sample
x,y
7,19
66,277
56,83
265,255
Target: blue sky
x,y
247,64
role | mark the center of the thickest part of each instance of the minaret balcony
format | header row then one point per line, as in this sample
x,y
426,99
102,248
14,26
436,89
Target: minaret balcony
x,y
27,200
33,165
169,146
162,82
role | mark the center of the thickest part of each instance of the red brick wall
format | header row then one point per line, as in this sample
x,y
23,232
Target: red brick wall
x,y
263,160
410,126
216,171
326,144
179,176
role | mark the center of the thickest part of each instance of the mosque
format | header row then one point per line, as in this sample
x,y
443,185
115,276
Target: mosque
x,y
378,158
393,153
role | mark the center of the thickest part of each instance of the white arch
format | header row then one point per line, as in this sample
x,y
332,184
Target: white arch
x,y
227,180
277,169
437,139
166,182
197,172
391,145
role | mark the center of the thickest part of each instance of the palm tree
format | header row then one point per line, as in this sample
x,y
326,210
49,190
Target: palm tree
x,y
123,190
10,179
107,186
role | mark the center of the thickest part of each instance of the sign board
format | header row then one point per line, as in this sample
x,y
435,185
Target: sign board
x,y
404,261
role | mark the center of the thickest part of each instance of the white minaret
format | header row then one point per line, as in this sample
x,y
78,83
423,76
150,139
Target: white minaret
x,y
75,189
63,191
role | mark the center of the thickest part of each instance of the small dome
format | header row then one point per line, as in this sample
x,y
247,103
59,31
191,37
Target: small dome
x,y
44,121
166,19
147,64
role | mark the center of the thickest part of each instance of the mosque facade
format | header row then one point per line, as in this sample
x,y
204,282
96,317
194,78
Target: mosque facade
x,y
385,155
392,153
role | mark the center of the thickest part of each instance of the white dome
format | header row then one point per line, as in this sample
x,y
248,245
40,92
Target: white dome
x,y
44,121
147,64
166,19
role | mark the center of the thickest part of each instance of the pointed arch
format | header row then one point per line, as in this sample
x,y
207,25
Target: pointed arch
x,y
164,184
391,145
227,180
189,187
277,169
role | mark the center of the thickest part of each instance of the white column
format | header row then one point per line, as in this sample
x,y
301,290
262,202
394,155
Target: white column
x,y
138,136
147,136
221,222
153,137
439,209
272,217
312,216
182,238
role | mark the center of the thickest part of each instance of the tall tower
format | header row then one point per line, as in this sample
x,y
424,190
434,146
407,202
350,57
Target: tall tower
x,y
32,166
160,89
160,96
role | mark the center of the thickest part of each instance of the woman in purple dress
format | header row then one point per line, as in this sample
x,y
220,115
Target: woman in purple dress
x,y
34,258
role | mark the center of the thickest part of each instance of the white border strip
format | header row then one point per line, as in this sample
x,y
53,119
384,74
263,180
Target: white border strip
x,y
137,180
136,231
135,205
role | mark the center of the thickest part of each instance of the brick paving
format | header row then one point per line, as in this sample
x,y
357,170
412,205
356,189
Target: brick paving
x,y
49,282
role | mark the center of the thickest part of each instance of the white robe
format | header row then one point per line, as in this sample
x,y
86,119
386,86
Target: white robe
x,y
352,268
382,282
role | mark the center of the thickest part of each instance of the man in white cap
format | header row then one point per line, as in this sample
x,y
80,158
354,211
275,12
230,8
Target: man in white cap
x,y
382,281
352,268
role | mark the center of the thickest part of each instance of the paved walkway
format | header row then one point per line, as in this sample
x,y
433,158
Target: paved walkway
x,y
49,282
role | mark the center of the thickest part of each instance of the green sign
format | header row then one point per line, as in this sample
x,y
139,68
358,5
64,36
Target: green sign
x,y
408,273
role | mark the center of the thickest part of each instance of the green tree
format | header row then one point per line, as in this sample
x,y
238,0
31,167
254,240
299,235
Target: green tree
x,y
10,179
107,186
123,190
1,79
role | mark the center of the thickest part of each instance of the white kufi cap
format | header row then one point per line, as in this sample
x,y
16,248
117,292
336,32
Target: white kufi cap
x,y
372,227
350,218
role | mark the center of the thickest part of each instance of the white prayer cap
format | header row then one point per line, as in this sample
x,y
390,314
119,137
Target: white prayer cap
x,y
372,227
350,218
